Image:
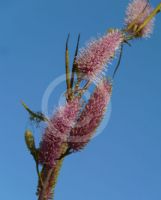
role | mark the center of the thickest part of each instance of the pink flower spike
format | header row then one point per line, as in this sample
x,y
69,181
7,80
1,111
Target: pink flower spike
x,y
91,116
139,10
57,132
91,61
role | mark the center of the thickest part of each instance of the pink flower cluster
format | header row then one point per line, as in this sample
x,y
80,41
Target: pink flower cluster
x,y
91,116
93,59
67,127
57,132
140,10
72,124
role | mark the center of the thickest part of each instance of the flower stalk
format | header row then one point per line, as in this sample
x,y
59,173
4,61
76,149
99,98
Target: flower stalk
x,y
74,124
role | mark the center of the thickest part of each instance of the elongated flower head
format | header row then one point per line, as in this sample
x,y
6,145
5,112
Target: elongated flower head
x,y
57,132
91,116
92,60
137,12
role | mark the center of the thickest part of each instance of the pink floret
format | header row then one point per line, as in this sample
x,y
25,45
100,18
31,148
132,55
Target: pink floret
x,y
91,116
57,133
92,60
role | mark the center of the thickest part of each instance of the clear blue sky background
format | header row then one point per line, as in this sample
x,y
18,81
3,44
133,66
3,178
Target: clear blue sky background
x,y
124,162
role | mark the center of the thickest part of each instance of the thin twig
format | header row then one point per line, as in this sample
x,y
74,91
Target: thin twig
x,y
83,90
42,195
39,175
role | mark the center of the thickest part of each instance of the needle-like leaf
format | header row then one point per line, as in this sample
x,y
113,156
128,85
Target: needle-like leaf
x,y
67,66
74,62
119,61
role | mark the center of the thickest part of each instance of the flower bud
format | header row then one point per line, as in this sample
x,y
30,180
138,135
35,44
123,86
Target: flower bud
x,y
30,142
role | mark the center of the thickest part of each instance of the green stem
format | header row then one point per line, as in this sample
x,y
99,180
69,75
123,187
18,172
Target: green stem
x,y
42,195
50,178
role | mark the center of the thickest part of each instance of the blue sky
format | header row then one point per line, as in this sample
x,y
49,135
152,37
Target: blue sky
x,y
122,163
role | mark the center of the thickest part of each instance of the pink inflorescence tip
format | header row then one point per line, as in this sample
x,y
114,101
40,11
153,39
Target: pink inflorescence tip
x,y
57,132
91,116
92,60
139,10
